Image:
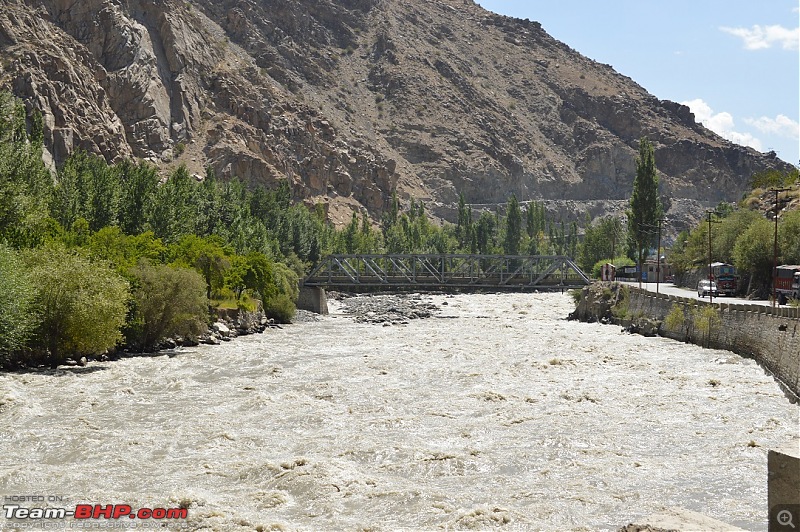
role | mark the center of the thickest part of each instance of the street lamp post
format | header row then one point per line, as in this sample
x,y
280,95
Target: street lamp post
x,y
775,248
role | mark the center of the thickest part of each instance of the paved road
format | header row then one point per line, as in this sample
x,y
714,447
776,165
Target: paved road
x,y
671,289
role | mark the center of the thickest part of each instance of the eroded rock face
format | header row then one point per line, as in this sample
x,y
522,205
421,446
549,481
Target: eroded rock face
x,y
352,100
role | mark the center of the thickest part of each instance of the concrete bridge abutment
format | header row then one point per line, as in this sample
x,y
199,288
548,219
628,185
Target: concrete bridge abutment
x,y
313,299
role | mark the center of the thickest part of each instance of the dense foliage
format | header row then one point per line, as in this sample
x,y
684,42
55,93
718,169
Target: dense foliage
x,y
17,318
168,302
98,254
81,304
744,238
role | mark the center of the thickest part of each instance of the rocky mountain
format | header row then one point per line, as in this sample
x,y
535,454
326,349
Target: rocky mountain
x,y
354,99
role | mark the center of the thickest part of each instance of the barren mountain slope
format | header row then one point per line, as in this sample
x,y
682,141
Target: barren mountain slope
x,y
353,99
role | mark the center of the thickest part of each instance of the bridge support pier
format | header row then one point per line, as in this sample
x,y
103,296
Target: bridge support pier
x,y
783,493
313,299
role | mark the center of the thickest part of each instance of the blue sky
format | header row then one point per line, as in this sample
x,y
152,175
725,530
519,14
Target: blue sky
x,y
735,63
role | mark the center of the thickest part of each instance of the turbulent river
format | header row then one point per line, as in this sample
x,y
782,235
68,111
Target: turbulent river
x,y
495,413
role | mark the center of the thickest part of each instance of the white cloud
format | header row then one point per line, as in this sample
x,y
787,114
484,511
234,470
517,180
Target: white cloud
x,y
781,125
763,37
721,123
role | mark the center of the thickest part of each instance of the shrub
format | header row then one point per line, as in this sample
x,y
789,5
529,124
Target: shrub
x,y
621,310
577,295
17,319
168,302
676,319
280,305
706,322
82,304
280,308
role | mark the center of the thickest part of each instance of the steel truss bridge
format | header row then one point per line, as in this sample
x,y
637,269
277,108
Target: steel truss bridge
x,y
446,272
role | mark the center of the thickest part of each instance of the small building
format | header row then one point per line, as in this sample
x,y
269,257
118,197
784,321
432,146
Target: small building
x,y
664,271
608,272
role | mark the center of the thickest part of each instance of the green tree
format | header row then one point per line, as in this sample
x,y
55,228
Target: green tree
x,y
464,227
251,272
774,178
486,233
535,219
601,240
87,188
280,306
753,253
391,216
125,251
789,237
726,234
513,232
645,206
138,187
17,316
82,304
25,183
174,211
167,302
350,236
209,256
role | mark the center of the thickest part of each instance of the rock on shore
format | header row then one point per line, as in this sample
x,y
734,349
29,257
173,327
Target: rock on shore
x,y
387,309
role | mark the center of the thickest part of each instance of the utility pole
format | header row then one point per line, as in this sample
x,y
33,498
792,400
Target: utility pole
x,y
658,256
775,248
617,227
614,242
710,275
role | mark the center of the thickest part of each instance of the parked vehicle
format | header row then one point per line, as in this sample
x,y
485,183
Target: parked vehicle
x,y
706,287
725,276
787,283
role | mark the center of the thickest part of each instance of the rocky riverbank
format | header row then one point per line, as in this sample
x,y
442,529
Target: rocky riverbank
x,y
230,324
609,303
385,309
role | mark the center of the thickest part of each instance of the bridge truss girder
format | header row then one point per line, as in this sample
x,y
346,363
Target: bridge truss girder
x,y
434,272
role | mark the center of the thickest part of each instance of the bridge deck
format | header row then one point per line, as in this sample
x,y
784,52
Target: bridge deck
x,y
462,272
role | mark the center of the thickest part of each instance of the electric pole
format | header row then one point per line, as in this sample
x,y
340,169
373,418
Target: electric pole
x,y
710,275
658,256
775,248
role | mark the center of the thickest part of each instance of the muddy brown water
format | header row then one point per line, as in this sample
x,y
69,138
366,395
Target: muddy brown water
x,y
496,414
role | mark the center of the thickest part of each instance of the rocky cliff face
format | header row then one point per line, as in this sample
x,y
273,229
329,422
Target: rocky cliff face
x,y
354,99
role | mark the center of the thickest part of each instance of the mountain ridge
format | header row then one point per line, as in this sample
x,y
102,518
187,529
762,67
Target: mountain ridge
x,y
354,100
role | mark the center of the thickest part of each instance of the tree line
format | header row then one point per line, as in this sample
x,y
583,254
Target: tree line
x,y
743,236
100,255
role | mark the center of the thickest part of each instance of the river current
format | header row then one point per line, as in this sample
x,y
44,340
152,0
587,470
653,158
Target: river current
x,y
495,414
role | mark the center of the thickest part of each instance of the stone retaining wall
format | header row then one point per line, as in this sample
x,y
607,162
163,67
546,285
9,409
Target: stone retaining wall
x,y
769,335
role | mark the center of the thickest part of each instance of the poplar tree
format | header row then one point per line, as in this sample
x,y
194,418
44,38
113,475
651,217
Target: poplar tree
x,y
645,206
513,227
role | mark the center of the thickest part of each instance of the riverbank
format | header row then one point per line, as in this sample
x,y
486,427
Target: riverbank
x,y
380,309
228,325
769,336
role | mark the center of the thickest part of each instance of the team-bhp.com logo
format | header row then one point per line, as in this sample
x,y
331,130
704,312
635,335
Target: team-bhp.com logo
x,y
17,515
94,511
